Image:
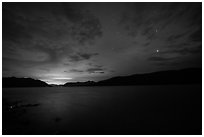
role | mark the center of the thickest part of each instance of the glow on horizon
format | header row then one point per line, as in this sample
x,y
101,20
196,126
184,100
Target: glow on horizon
x,y
62,78
57,80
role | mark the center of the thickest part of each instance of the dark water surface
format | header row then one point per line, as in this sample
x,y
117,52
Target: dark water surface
x,y
168,109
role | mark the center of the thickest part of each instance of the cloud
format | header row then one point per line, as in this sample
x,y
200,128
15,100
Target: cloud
x,y
13,30
146,44
192,50
173,28
160,59
76,70
81,56
95,70
173,38
197,35
169,21
173,56
53,25
46,33
185,48
64,38
87,70
87,55
165,60
90,69
45,69
87,30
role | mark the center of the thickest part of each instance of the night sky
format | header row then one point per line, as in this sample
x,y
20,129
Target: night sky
x,y
61,42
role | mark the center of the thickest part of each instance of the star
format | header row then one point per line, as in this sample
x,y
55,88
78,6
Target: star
x,y
157,50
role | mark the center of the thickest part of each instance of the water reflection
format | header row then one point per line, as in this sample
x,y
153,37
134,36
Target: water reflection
x,y
102,110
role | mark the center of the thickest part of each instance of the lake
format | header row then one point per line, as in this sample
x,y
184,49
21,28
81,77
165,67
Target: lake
x,y
114,110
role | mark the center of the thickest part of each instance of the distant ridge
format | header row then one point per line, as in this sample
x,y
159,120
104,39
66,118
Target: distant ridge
x,y
22,82
184,76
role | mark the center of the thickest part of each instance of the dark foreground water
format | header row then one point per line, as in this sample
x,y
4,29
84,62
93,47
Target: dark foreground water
x,y
103,110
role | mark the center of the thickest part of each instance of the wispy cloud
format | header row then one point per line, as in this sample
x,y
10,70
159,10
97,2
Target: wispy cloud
x,y
76,71
81,56
174,28
54,29
88,40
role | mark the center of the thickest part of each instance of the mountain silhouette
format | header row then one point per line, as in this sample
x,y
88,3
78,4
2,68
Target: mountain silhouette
x,y
87,83
184,76
22,82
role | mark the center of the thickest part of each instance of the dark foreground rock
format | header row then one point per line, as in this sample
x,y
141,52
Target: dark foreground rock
x,y
22,82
